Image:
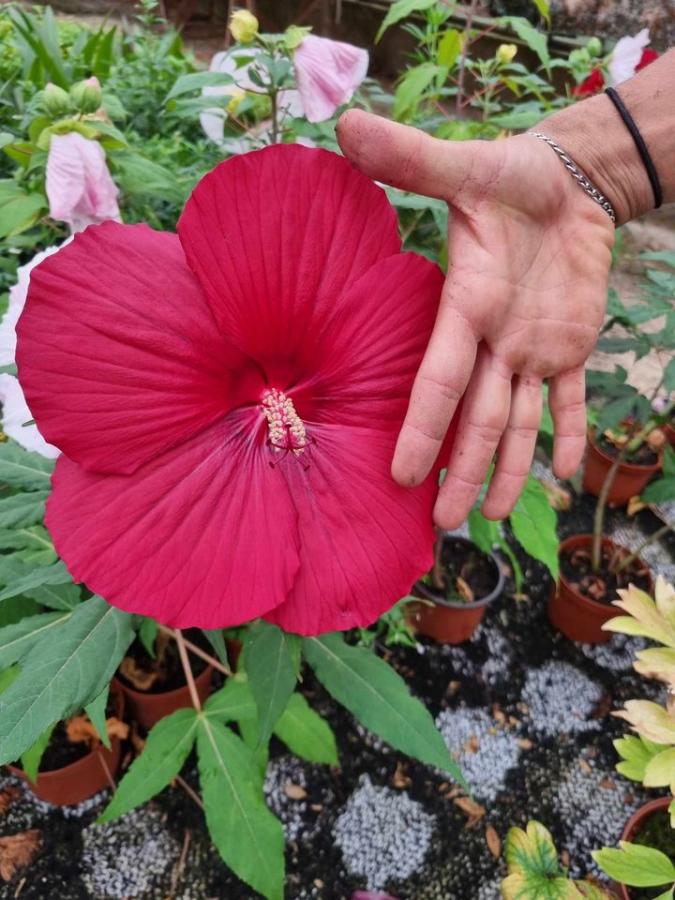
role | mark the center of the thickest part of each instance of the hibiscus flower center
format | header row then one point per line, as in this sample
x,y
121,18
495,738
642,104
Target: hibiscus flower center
x,y
286,430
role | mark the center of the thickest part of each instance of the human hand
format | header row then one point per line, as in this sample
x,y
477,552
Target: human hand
x,y
529,256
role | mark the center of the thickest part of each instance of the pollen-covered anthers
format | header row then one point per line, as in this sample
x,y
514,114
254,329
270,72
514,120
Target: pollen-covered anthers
x,y
286,430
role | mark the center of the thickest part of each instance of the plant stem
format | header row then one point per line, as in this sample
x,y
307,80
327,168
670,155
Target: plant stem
x,y
187,668
188,790
275,117
193,648
627,560
461,71
599,517
437,572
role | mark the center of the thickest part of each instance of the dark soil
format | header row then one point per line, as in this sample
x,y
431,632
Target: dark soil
x,y
576,567
657,833
643,456
60,751
461,559
169,667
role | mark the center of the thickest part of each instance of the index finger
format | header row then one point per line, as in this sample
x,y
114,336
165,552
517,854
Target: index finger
x,y
438,387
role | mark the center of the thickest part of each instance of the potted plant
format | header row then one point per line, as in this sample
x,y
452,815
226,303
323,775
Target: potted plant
x,y
76,758
467,576
644,864
593,567
626,437
152,678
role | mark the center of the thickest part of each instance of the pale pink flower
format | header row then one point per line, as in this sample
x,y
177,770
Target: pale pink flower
x,y
626,56
327,73
80,188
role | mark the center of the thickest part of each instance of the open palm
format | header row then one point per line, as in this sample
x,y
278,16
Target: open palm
x,y
523,302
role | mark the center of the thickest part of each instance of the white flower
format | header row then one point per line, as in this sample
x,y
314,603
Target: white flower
x,y
17,298
15,414
627,55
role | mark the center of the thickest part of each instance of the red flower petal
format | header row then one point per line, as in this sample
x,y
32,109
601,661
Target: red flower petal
x,y
204,535
364,539
371,347
648,56
275,236
593,84
118,353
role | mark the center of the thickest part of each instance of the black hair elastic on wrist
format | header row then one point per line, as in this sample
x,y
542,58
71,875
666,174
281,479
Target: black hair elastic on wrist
x,y
629,122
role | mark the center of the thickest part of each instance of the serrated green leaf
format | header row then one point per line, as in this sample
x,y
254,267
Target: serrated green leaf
x,y
44,575
31,759
21,510
59,677
217,640
660,491
33,544
635,865
56,596
379,698
233,702
248,837
96,710
660,770
195,81
483,532
306,734
21,469
16,640
167,747
147,632
399,10
449,48
272,658
412,86
534,525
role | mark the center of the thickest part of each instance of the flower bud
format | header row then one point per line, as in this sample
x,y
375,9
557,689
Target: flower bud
x,y
56,101
86,95
237,94
505,53
243,26
594,46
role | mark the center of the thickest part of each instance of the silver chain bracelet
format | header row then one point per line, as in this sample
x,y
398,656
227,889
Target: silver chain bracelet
x,y
583,181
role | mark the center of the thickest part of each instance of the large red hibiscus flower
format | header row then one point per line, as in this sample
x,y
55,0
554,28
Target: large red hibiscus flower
x,y
227,400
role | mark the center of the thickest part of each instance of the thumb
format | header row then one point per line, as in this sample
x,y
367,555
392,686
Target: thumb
x,y
402,156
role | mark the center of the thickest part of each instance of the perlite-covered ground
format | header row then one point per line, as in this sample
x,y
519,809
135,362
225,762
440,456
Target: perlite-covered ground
x,y
525,711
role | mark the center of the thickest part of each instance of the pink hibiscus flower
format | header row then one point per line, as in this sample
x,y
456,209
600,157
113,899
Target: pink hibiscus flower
x,y
227,400
79,186
327,73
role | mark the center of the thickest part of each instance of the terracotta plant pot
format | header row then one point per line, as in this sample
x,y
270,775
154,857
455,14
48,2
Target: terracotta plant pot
x,y
449,622
633,826
82,779
578,617
629,481
148,708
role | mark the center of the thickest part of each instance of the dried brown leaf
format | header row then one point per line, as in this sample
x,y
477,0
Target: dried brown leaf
x,y
525,744
472,810
7,797
464,589
493,841
585,767
17,851
400,779
294,791
472,745
142,679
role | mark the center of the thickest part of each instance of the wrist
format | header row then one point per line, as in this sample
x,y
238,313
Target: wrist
x,y
596,139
